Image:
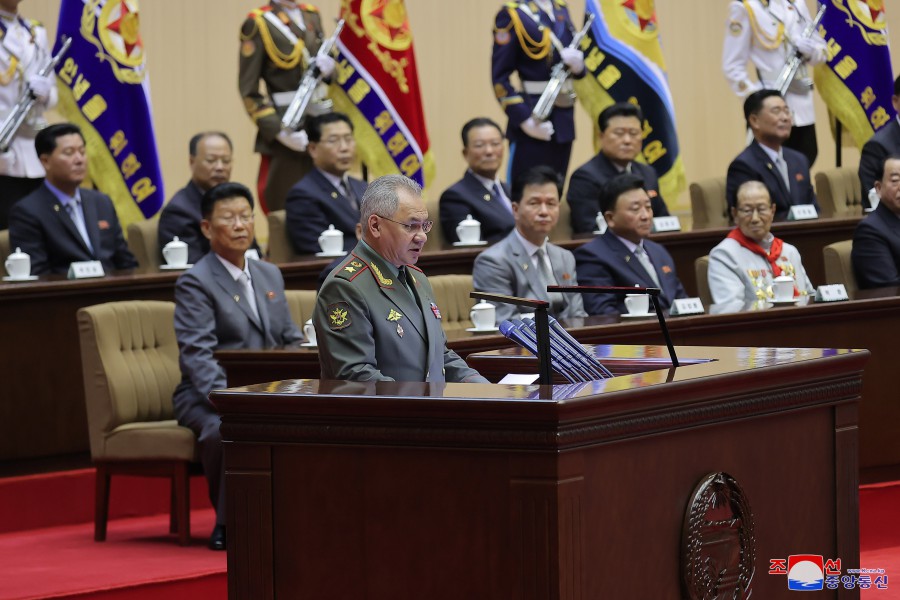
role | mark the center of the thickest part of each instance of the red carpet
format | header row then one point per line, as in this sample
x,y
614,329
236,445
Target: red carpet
x,y
879,536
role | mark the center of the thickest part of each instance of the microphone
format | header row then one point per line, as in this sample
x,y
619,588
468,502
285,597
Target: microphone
x,y
594,365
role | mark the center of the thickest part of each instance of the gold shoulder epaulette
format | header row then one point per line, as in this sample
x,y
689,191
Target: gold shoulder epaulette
x,y
351,268
309,8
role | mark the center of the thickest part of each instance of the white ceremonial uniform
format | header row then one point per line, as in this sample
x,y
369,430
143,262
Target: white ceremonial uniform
x,y
758,31
23,50
737,274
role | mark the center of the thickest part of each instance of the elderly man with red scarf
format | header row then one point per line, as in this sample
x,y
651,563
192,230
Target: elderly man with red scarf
x,y
743,265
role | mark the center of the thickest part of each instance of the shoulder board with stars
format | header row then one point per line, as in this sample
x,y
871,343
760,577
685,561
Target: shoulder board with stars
x,y
351,268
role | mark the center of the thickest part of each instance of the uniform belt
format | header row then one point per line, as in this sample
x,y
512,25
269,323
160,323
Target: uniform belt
x,y
282,99
565,99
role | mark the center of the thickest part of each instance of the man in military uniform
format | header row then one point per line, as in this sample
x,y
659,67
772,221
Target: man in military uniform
x,y
767,33
279,42
23,51
529,39
376,318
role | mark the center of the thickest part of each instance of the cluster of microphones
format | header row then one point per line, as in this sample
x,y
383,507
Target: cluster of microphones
x,y
567,357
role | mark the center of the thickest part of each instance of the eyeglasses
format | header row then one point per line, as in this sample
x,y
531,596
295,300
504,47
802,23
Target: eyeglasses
x,y
337,140
424,226
214,160
234,219
781,110
493,145
747,211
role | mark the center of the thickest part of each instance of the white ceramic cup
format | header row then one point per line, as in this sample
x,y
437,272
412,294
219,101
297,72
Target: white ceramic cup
x,y
483,315
332,240
783,286
469,230
309,330
601,223
637,304
18,265
175,253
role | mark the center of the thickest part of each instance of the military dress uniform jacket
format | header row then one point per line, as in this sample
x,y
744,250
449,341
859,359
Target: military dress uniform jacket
x,y
738,275
469,197
276,50
757,35
370,328
586,186
753,164
313,204
884,143
876,249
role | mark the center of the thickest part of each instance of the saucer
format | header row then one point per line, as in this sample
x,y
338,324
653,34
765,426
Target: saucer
x,y
309,345
791,301
175,267
331,254
637,315
26,278
463,244
485,330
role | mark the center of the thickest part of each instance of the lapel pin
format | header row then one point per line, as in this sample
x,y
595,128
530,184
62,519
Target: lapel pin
x,y
56,207
334,194
487,197
237,298
270,295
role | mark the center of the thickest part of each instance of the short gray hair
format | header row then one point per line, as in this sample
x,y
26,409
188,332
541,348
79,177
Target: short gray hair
x,y
382,198
750,187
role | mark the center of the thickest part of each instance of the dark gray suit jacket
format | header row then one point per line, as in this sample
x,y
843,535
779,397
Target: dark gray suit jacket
x,y
506,268
753,164
313,204
468,197
876,249
885,142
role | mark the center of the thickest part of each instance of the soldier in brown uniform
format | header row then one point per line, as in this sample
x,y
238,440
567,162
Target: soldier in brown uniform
x,y
279,42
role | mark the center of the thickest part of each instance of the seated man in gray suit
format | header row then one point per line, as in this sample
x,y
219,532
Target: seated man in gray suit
x,y
524,263
224,302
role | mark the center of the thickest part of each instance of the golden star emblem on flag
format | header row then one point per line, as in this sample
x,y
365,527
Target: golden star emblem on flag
x,y
642,12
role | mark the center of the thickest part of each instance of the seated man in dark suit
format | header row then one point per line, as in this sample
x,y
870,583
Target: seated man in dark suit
x,y
524,263
784,171
60,223
876,241
326,195
210,162
884,143
480,192
621,127
623,256
224,302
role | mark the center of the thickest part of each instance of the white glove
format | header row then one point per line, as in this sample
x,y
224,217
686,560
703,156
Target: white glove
x,y
573,58
295,140
538,130
326,66
808,48
41,86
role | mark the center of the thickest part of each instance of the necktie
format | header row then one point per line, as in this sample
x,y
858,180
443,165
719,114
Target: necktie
x,y
500,196
244,280
782,168
403,277
557,302
78,219
348,193
645,262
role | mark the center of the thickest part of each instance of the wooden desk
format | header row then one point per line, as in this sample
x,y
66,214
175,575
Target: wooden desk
x,y
412,490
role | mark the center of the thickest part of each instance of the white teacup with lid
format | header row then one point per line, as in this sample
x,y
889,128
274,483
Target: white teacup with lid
x,y
483,315
783,288
175,253
331,241
18,265
469,230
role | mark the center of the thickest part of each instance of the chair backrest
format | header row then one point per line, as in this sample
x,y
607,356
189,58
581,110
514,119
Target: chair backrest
x,y
301,304
436,238
839,192
563,229
709,206
129,357
839,267
701,267
280,248
143,242
451,293
4,250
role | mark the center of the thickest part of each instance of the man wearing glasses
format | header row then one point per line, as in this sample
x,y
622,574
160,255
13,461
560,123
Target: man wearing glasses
x,y
376,318
785,172
743,265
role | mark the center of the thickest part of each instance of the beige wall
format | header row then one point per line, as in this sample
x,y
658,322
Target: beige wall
x,y
192,50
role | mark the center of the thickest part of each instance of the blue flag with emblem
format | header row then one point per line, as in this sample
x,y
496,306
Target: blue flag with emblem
x,y
103,88
856,82
624,60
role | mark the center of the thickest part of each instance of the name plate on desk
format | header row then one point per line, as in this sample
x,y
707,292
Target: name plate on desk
x,y
802,212
687,306
831,293
661,224
86,269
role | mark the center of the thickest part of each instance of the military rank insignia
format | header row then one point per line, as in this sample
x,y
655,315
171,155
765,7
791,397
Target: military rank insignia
x,y
338,315
394,315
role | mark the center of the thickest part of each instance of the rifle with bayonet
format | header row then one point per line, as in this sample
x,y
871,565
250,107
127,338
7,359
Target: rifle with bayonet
x,y
299,105
558,77
789,71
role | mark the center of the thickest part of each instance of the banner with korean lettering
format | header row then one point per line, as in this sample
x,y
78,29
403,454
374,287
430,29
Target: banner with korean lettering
x,y
624,60
856,82
377,86
103,88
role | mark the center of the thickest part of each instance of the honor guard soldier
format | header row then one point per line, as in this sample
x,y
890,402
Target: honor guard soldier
x,y
279,42
23,51
529,39
767,33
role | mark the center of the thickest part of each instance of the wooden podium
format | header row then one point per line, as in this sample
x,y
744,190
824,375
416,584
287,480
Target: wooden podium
x,y
414,491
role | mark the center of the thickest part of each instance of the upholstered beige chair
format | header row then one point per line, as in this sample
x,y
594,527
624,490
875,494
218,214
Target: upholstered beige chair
x,y
839,194
280,248
436,239
4,250
144,244
709,207
701,267
839,267
563,229
129,357
301,304
451,293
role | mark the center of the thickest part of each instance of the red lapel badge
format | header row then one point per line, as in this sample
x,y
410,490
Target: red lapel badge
x,y
103,224
666,269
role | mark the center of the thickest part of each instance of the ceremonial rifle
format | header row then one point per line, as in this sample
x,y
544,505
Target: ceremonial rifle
x,y
26,101
793,64
558,77
296,110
